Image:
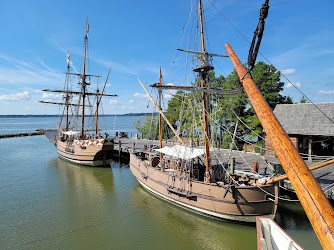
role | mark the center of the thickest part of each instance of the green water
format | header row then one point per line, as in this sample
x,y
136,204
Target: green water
x,y
47,203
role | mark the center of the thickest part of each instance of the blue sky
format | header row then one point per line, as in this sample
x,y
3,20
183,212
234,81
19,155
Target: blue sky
x,y
134,38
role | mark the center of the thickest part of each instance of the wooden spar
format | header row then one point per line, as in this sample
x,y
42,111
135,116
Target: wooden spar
x,y
61,103
160,128
67,95
59,128
283,177
98,100
160,112
197,89
74,92
83,82
97,107
317,208
205,118
202,28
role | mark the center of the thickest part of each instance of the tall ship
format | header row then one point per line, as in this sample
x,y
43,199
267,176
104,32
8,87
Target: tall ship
x,y
78,138
198,178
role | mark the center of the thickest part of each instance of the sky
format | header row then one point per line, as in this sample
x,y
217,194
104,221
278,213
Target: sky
x,y
134,38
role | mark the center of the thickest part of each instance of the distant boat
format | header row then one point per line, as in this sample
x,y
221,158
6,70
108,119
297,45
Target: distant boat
x,y
270,236
189,177
75,142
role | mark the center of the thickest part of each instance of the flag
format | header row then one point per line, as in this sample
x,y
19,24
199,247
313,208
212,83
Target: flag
x,y
68,58
87,29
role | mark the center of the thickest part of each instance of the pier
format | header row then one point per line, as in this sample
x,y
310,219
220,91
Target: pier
x,y
37,132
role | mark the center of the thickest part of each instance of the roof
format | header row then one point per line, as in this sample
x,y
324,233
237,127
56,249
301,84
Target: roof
x,y
306,118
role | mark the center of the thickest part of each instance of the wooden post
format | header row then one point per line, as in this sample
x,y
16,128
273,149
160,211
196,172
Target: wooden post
x,y
309,159
317,208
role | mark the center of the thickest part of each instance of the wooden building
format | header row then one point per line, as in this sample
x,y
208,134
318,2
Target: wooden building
x,y
310,130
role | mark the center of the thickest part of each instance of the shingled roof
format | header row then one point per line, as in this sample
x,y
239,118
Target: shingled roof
x,y
306,119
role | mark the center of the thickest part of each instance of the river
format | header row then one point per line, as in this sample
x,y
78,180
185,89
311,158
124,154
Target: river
x,y
47,203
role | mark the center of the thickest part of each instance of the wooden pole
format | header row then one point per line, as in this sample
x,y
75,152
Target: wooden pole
x,y
160,112
317,208
204,104
160,129
83,82
283,177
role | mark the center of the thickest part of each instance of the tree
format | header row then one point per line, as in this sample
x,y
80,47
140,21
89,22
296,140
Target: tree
x,y
304,100
183,111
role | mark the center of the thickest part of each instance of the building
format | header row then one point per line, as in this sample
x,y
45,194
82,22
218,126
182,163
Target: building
x,y
309,126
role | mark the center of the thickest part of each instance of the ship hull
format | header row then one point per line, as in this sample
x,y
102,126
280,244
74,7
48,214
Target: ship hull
x,y
240,204
95,152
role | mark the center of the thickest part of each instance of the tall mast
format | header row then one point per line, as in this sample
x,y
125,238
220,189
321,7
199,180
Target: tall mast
x,y
84,84
203,73
67,96
160,131
97,106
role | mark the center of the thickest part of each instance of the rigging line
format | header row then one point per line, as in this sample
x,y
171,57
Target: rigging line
x,y
226,130
184,28
246,124
272,64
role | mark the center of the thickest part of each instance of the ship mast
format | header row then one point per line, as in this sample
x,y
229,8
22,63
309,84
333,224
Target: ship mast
x,y
84,84
97,106
160,129
203,70
67,96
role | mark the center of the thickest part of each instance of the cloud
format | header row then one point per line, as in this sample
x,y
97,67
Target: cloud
x,y
108,84
113,102
323,92
123,107
290,85
288,71
140,95
131,101
51,96
16,97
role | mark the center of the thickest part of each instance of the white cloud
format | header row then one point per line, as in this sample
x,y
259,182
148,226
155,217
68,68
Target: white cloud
x,y
113,101
323,92
123,107
131,101
288,71
16,97
140,95
108,84
290,85
51,96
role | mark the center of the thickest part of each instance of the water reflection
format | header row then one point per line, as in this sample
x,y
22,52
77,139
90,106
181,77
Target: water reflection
x,y
190,229
91,180
291,215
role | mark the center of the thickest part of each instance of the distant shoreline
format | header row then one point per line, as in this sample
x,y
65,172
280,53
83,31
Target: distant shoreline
x,y
32,116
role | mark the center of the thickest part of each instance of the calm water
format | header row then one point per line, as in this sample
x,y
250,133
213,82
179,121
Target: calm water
x,y
47,203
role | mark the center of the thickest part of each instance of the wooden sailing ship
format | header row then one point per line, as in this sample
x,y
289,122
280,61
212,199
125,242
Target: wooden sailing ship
x,y
190,191
192,178
80,145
